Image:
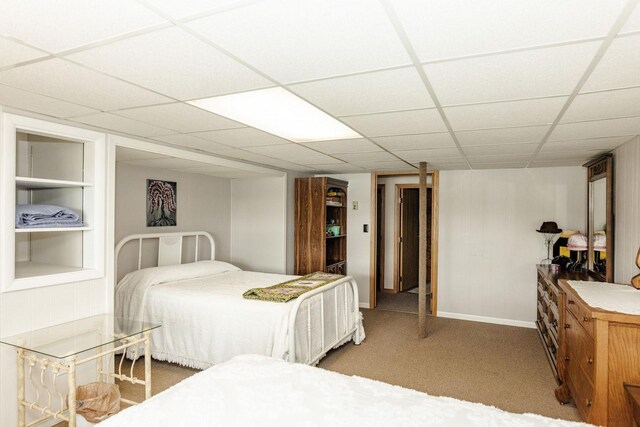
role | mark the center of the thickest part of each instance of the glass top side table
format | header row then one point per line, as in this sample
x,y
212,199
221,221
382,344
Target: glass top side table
x,y
44,355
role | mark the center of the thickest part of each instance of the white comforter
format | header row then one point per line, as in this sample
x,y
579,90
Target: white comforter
x,y
259,391
205,320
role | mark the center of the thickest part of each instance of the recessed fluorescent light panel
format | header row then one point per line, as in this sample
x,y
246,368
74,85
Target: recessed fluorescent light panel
x,y
278,112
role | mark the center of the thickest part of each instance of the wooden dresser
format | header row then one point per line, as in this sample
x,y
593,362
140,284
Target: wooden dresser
x,y
599,352
548,314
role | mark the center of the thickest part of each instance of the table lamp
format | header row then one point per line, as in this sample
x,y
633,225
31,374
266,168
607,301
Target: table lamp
x,y
550,230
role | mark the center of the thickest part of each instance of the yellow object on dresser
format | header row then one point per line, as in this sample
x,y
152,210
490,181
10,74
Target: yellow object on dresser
x,y
599,352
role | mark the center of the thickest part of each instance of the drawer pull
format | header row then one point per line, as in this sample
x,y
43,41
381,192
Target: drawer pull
x,y
590,360
588,402
567,326
585,319
567,358
570,302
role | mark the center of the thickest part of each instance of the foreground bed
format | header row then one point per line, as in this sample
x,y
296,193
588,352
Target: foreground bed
x,y
206,321
255,390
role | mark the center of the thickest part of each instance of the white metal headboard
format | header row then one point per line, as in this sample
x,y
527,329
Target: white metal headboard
x,y
169,246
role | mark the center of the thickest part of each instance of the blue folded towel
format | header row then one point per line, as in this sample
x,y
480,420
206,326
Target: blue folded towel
x,y
40,216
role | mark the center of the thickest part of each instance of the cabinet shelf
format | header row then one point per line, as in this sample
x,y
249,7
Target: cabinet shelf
x,y
29,269
28,183
52,229
336,237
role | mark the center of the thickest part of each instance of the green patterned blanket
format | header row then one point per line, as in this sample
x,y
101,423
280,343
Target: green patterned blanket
x,y
286,291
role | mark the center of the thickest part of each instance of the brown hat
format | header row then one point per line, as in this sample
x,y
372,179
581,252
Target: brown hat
x,y
549,227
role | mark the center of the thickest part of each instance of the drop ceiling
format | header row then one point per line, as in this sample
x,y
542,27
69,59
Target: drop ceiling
x,y
458,84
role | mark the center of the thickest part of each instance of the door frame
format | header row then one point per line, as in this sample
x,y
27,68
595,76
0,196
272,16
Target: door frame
x,y
396,236
383,189
435,184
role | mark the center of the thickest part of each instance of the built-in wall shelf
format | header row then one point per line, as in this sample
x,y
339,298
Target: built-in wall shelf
x,y
44,163
52,229
28,183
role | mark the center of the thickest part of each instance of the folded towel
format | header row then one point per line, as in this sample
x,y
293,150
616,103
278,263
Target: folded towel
x,y
40,216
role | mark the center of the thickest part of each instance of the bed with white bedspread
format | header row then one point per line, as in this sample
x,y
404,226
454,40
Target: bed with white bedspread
x,y
205,319
256,390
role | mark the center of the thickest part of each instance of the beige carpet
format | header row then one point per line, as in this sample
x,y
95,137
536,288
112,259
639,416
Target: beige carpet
x,y
496,365
405,302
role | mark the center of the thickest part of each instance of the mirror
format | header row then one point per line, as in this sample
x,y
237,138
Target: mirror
x,y
600,221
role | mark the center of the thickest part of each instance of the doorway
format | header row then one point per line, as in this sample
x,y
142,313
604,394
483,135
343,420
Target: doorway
x,y
401,254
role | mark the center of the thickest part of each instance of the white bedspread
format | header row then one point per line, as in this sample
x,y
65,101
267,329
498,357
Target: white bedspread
x,y
259,391
609,296
205,320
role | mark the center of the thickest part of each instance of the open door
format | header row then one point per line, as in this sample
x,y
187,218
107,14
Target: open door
x,y
409,238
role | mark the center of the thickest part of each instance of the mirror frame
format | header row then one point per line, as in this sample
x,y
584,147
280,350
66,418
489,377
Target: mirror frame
x,y
597,169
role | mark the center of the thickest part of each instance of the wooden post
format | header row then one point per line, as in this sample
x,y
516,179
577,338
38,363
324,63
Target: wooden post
x,y
422,254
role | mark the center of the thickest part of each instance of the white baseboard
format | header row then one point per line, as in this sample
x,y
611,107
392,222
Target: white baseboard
x,y
364,305
495,320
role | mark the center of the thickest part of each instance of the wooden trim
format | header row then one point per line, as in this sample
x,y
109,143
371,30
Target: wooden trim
x,y
422,253
435,223
383,189
372,241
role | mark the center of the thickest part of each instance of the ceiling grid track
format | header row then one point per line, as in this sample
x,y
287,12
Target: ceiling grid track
x,y
180,23
404,38
606,43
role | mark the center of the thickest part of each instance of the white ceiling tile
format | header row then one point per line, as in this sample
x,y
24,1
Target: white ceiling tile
x,y
63,80
179,117
165,163
397,123
294,40
527,112
184,8
575,154
397,165
505,114
12,97
13,53
55,27
596,129
338,168
499,165
633,22
191,141
557,163
514,135
451,28
499,158
174,63
490,150
242,137
124,154
343,146
606,144
399,89
416,142
618,68
604,105
294,153
379,156
121,124
262,159
529,74
415,156
449,166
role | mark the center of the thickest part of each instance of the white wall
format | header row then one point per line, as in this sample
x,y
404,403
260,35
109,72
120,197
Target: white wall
x,y
488,246
358,242
627,209
204,204
258,224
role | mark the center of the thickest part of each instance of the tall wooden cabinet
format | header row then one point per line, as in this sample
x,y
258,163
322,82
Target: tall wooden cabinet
x,y
320,225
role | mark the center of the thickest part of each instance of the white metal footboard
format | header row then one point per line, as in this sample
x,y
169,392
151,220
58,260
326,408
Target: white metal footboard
x,y
334,306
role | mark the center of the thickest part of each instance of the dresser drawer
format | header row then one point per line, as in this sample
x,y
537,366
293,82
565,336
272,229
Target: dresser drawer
x,y
581,313
581,389
580,347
